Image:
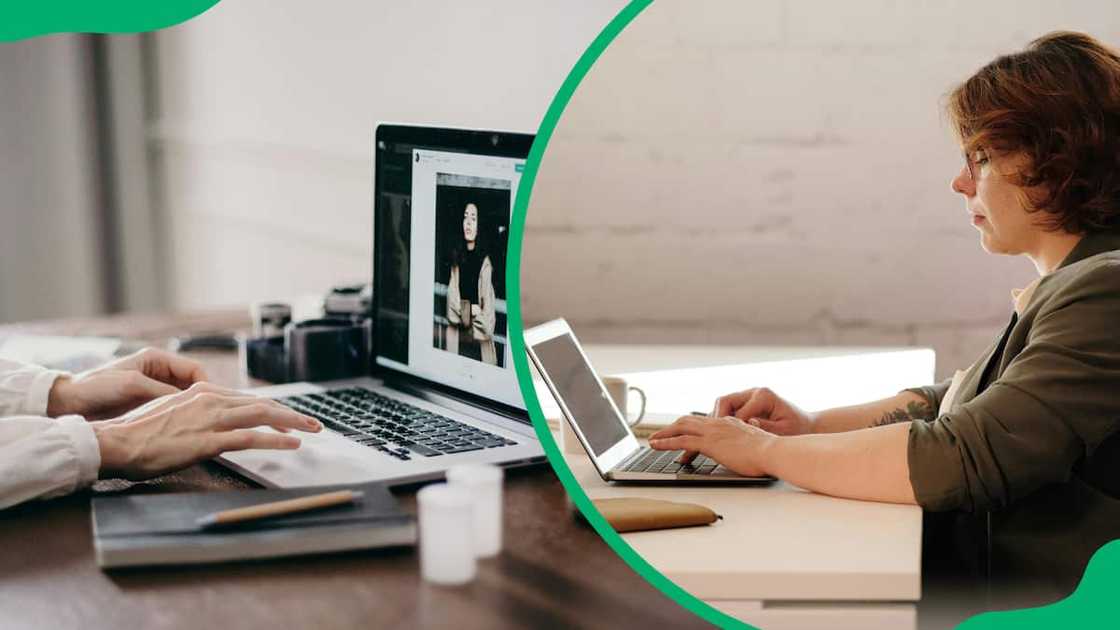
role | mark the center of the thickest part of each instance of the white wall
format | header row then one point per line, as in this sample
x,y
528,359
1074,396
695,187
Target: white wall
x,y
51,252
266,116
777,171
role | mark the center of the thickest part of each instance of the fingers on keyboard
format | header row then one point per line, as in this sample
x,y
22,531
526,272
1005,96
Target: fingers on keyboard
x,y
392,427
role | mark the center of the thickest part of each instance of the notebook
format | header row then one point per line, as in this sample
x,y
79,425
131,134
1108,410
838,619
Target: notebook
x,y
161,529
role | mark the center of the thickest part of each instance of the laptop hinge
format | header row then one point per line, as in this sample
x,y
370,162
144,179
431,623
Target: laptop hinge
x,y
462,405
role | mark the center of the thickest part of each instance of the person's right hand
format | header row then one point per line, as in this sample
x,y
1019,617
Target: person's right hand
x,y
762,408
765,410
175,431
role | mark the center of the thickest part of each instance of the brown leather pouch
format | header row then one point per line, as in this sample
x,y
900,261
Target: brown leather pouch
x,y
635,514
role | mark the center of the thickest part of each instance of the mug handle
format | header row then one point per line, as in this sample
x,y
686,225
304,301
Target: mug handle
x,y
642,412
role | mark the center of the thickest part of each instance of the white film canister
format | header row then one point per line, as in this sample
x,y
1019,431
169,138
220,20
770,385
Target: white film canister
x,y
484,484
446,534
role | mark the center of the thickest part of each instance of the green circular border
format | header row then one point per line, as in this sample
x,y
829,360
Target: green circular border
x,y
517,341
1086,606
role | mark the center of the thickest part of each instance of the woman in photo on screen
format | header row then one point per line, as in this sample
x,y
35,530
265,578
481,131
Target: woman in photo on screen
x,y
1019,452
470,295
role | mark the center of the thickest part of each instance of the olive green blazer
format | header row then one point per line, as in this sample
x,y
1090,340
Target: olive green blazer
x,y
1030,440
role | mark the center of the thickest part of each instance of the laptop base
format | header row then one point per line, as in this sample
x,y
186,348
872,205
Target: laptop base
x,y
328,457
715,478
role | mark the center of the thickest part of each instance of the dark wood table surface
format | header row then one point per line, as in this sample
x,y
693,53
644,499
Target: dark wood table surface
x,y
553,572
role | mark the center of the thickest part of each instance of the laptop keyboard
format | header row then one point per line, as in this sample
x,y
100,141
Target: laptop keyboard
x,y
665,462
391,426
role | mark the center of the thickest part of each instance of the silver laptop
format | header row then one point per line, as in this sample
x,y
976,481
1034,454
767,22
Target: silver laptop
x,y
442,389
596,421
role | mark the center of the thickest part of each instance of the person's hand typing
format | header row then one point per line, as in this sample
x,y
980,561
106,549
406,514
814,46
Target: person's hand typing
x,y
762,408
738,446
200,423
765,410
122,385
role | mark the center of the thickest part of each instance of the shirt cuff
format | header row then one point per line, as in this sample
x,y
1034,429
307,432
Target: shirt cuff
x,y
935,470
84,440
39,394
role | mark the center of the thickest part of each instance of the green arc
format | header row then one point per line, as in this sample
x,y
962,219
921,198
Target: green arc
x,y
1087,604
517,341
1086,607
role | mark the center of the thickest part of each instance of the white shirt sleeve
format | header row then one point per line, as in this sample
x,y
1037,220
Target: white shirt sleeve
x,y
40,457
44,457
25,389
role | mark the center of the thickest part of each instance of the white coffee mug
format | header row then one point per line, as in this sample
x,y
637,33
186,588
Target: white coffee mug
x,y
620,394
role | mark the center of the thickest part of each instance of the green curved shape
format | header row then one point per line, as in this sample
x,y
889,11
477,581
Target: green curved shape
x,y
21,19
1088,606
1091,605
517,340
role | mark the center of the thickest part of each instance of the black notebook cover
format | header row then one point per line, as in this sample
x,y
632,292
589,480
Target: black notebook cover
x,y
162,529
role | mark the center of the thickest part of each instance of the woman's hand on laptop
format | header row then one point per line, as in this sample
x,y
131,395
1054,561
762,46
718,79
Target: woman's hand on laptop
x,y
765,410
737,445
122,385
181,429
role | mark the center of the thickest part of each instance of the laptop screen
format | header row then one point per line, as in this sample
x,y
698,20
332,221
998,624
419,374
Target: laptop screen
x,y
581,392
443,200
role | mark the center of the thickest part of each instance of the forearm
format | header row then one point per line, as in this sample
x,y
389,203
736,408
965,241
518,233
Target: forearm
x,y
903,407
869,464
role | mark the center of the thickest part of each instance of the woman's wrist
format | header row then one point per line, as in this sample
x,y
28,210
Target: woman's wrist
x,y
58,398
767,452
113,445
812,418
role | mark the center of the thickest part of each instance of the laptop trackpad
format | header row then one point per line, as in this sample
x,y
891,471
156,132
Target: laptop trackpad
x,y
322,458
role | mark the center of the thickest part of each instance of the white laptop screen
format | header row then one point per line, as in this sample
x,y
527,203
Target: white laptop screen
x,y
581,392
441,267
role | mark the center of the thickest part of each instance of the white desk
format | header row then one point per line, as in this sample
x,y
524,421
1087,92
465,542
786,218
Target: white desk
x,y
781,557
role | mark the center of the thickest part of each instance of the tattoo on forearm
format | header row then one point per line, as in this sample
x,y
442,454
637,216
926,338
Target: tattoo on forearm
x,y
913,411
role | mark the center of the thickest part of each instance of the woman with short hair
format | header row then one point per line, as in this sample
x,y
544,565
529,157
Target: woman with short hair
x,y
1020,448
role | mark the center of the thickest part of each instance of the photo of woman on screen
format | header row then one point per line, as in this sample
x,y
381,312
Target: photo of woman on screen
x,y
470,295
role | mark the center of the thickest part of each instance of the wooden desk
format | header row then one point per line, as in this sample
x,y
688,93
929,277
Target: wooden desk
x,y
781,557
553,572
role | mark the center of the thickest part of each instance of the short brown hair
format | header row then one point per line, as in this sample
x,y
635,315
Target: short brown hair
x,y
1057,102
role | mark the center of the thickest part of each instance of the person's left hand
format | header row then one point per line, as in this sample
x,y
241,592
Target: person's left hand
x,y
737,445
122,385
478,331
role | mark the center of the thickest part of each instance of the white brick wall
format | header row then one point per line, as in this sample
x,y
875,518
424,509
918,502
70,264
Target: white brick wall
x,y
266,116
732,171
778,172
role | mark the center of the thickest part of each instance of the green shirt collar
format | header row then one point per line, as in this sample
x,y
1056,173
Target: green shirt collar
x,y
1092,244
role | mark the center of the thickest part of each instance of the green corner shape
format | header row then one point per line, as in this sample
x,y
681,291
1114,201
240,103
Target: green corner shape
x,y
21,19
1089,606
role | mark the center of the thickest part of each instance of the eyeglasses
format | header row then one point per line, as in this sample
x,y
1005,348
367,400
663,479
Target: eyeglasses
x,y
973,165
